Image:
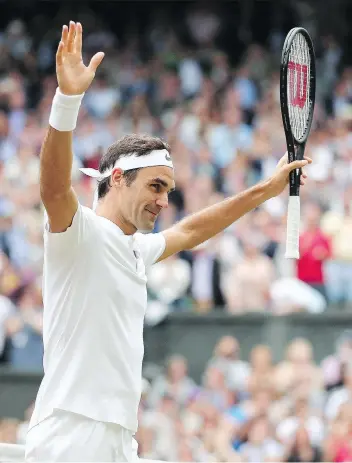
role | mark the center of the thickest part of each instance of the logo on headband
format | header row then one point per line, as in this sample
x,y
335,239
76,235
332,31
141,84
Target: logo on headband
x,y
167,157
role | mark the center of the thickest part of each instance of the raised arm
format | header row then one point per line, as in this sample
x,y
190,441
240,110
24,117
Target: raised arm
x,y
203,225
74,78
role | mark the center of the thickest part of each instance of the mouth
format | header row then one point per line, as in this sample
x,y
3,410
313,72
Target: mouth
x,y
152,213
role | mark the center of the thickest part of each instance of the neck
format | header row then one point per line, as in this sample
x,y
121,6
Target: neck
x,y
104,210
312,228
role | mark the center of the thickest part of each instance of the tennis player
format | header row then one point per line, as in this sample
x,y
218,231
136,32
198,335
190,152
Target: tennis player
x,y
94,282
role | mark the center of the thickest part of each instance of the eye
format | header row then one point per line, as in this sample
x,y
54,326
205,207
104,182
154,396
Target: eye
x,y
157,187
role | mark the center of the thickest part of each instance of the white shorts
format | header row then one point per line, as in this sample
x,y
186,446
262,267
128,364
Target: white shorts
x,y
66,436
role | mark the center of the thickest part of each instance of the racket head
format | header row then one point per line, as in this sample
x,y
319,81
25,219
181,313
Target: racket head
x,y
297,86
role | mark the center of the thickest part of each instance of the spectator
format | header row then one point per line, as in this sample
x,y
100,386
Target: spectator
x,y
253,276
341,395
314,250
299,370
232,135
226,357
260,445
338,226
160,423
101,98
8,430
238,418
7,309
214,390
303,430
175,383
262,369
205,277
191,76
25,332
334,365
301,449
337,447
10,279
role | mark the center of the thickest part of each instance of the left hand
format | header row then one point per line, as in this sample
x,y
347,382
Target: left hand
x,y
280,178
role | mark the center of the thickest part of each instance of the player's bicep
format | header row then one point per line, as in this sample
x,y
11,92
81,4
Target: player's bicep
x,y
175,242
82,231
60,210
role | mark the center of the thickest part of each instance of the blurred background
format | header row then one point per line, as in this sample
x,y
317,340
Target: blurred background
x,y
248,355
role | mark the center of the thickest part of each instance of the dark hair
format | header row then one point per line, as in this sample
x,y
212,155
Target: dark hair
x,y
138,144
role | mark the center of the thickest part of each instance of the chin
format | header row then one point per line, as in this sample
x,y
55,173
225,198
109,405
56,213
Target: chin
x,y
146,228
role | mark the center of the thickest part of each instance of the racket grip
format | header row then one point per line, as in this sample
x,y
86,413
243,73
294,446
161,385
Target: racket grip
x,y
293,223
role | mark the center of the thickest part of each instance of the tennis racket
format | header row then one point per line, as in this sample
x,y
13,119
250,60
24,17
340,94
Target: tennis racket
x,y
297,98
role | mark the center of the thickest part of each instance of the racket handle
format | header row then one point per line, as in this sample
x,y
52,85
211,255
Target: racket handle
x,y
293,223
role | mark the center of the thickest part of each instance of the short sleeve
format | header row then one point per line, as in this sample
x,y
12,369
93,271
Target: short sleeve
x,y
82,227
151,246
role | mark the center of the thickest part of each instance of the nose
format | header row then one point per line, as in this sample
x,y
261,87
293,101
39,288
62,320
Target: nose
x,y
163,202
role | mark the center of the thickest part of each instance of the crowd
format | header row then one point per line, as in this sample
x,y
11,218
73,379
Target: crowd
x,y
254,411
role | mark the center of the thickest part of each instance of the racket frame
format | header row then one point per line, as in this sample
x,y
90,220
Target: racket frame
x,y
291,141
295,148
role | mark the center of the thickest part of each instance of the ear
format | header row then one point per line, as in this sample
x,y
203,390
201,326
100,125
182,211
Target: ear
x,y
117,176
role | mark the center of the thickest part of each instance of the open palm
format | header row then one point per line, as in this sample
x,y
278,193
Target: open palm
x,y
73,76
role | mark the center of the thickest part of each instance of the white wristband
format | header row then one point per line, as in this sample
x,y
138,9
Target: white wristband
x,y
64,111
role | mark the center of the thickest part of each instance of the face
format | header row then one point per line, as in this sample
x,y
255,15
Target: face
x,y
227,347
177,369
141,203
214,379
312,215
300,353
261,358
259,431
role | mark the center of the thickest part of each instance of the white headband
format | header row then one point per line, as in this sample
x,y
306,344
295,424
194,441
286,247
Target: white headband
x,y
154,158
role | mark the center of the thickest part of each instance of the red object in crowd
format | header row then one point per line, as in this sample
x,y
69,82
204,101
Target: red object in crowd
x,y
344,451
315,248
92,162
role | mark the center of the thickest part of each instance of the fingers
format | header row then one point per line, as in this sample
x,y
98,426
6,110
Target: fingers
x,y
284,159
59,54
78,39
296,165
95,61
71,37
303,177
64,35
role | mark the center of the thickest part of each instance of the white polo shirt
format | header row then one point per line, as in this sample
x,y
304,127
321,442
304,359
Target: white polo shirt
x,y
95,298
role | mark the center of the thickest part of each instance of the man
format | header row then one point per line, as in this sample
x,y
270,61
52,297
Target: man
x,y
94,282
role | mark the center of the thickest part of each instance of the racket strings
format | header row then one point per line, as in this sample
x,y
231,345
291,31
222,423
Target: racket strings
x,y
298,86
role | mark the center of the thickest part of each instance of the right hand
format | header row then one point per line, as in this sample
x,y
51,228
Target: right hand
x,y
73,76
280,179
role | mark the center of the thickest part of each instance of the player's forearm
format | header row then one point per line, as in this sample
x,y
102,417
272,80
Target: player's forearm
x,y
56,164
56,154
208,222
